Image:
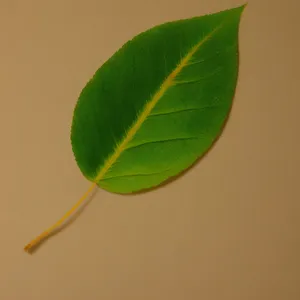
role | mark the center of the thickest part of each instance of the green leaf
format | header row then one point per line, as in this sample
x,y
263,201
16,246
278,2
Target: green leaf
x,y
158,104
155,107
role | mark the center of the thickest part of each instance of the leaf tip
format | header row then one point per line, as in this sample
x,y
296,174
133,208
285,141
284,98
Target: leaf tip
x,y
242,7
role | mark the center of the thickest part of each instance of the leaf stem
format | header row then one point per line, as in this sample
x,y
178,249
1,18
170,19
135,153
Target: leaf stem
x,y
28,248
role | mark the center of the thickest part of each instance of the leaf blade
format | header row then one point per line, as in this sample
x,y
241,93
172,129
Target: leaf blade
x,y
173,95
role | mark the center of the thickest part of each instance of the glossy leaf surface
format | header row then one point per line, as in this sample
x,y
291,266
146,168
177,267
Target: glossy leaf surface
x,y
158,103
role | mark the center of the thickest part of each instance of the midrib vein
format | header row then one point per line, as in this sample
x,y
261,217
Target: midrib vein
x,y
150,105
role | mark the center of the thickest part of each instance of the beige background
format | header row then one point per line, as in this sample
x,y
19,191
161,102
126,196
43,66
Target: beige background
x,y
228,229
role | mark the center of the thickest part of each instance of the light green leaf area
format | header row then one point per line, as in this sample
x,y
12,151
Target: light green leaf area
x,y
158,104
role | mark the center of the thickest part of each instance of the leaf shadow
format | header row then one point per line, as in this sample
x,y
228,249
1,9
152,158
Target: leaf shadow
x,y
72,219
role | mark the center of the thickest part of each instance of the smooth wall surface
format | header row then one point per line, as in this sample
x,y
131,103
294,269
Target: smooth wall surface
x,y
229,229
